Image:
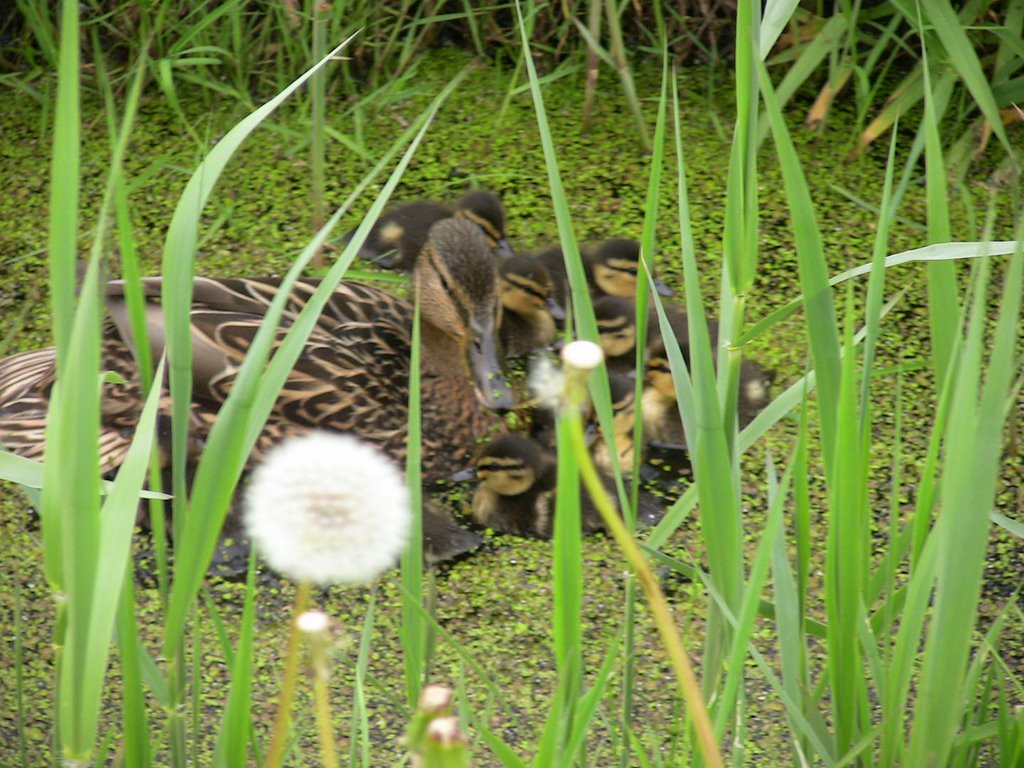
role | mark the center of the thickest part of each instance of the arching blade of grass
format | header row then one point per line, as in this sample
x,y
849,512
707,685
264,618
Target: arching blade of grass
x,y
927,254
255,390
821,315
178,271
943,302
961,54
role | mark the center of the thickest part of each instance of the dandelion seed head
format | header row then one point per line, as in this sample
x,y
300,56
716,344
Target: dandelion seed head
x,y
546,381
327,508
584,356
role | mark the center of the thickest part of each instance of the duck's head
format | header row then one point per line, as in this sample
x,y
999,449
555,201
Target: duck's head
x,y
456,278
614,265
484,208
527,288
511,465
616,325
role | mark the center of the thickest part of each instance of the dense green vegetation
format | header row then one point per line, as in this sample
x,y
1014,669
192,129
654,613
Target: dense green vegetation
x,y
867,503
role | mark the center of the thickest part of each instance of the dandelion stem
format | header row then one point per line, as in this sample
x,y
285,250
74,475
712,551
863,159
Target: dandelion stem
x,y
321,699
282,721
659,607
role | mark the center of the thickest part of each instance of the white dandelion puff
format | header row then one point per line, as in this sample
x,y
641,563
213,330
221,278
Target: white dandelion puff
x,y
583,356
327,508
546,381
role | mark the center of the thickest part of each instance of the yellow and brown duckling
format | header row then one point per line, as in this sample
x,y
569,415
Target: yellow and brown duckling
x,y
530,314
663,426
611,267
402,230
517,486
623,393
616,329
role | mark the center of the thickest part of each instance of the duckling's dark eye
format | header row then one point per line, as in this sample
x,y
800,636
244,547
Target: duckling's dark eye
x,y
631,272
444,282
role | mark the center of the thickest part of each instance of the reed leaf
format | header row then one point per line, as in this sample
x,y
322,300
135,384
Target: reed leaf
x,y
973,443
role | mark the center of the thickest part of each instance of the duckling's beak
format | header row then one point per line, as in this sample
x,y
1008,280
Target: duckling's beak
x,y
555,308
504,249
662,288
491,387
464,475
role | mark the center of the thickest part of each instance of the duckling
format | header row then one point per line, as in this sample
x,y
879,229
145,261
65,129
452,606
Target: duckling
x,y
517,484
517,488
616,328
612,267
351,376
623,394
402,230
529,310
663,426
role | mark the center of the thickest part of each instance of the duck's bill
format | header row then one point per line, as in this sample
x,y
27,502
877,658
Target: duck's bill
x,y
556,309
662,288
491,387
464,475
504,249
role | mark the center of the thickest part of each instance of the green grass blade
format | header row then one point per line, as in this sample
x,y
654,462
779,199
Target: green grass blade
x,y
943,303
973,445
717,486
233,738
962,55
821,315
179,268
414,629
252,397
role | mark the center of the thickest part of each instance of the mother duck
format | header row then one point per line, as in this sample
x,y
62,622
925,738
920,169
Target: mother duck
x,y
352,375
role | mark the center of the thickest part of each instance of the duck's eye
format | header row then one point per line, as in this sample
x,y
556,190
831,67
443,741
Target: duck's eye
x,y
632,272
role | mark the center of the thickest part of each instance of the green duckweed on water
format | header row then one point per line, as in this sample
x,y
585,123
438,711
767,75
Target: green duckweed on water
x,y
496,602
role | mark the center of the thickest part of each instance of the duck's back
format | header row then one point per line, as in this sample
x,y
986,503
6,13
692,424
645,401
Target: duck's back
x,y
352,374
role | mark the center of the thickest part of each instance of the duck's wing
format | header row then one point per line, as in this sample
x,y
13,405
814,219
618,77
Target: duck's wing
x,y
26,381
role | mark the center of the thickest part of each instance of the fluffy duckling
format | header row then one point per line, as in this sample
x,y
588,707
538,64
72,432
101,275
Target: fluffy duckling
x,y
663,426
517,487
529,309
611,268
402,229
623,394
616,328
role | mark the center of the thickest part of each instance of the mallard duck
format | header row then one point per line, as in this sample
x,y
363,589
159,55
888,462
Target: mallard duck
x,y
517,485
401,231
529,310
352,375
